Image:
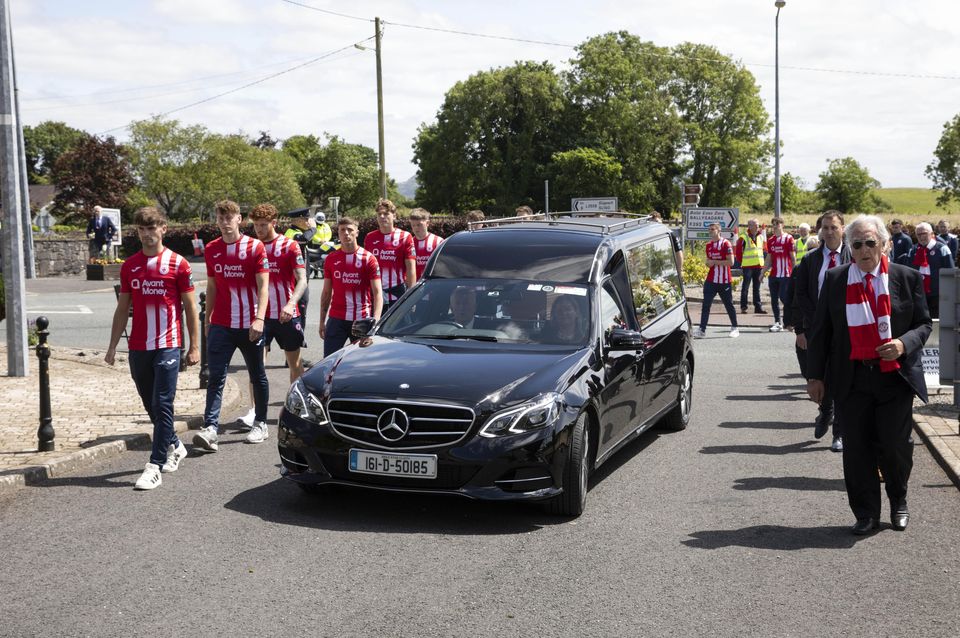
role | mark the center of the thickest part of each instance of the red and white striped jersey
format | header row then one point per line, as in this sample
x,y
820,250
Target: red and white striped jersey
x,y
350,275
392,252
780,250
720,249
284,257
425,248
234,268
155,285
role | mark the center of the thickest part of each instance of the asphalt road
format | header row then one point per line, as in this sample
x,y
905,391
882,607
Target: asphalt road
x,y
737,526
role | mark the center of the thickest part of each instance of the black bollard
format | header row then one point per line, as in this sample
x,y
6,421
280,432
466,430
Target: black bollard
x,y
204,370
45,432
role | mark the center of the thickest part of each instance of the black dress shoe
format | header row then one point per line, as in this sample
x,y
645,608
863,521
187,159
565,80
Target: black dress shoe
x,y
899,516
865,526
823,423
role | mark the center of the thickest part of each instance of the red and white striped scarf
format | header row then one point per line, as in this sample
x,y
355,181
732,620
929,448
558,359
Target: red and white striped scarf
x,y
869,329
922,263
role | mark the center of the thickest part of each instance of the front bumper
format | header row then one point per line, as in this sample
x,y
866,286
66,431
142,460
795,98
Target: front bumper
x,y
517,467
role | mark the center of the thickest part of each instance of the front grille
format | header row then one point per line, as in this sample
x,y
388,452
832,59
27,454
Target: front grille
x,y
428,424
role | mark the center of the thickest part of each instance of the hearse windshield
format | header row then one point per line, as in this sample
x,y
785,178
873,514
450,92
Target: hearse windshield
x,y
512,311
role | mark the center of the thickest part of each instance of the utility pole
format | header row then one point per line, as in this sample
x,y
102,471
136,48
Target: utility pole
x,y
383,166
12,235
29,262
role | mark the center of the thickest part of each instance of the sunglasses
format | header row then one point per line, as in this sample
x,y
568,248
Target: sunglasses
x,y
870,243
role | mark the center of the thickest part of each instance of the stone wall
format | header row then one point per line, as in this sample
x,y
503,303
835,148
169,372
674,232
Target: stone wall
x,y
55,257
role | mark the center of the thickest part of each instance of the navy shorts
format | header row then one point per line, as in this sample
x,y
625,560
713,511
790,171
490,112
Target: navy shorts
x,y
289,335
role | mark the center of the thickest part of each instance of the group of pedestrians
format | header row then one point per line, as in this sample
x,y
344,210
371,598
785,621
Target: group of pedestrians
x,y
255,289
860,301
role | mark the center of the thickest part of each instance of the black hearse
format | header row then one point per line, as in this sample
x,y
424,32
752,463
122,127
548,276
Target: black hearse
x,y
527,355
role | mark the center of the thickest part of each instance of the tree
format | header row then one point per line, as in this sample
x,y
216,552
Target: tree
x,y
95,172
724,143
794,197
582,172
43,144
493,139
845,185
233,169
944,171
167,160
186,169
265,141
618,89
337,169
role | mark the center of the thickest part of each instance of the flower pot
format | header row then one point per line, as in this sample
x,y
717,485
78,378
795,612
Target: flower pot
x,y
103,272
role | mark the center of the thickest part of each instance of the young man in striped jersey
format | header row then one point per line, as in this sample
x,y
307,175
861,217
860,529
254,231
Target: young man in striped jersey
x,y
237,289
425,242
719,256
779,263
157,283
351,288
394,251
287,283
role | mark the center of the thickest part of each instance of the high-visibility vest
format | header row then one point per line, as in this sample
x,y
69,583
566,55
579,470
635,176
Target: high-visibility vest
x,y
800,249
323,233
752,250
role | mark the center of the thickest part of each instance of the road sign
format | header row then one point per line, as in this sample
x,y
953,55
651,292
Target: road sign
x,y
691,193
701,218
704,235
595,204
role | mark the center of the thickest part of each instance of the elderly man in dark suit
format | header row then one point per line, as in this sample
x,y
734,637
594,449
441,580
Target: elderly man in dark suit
x,y
871,324
810,274
100,232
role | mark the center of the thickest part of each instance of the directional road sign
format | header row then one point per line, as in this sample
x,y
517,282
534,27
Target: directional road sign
x,y
704,235
595,204
728,218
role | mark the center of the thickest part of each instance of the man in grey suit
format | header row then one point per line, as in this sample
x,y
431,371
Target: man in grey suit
x,y
870,327
809,279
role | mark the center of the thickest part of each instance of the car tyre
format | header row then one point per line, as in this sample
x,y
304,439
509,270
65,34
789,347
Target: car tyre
x,y
576,474
679,417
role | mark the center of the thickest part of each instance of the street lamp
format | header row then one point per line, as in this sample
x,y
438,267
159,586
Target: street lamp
x,y
779,4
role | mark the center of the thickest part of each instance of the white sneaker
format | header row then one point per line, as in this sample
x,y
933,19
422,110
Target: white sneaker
x,y
776,327
734,333
258,433
150,478
174,456
206,439
699,334
246,421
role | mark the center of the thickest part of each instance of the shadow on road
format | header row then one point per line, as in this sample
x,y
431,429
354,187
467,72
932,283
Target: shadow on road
x,y
360,510
790,396
101,480
776,537
802,483
793,448
765,425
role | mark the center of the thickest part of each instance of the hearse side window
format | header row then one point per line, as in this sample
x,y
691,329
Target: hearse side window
x,y
654,281
611,312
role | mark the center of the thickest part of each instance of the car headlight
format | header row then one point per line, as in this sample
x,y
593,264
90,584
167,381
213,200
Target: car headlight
x,y
537,413
303,404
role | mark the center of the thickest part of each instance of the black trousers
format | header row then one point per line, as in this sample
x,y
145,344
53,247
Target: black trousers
x,y
828,407
877,423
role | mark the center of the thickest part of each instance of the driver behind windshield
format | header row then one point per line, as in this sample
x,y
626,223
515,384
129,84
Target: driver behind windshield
x,y
463,306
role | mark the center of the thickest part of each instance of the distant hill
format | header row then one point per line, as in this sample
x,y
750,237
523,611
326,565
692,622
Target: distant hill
x,y
408,188
915,201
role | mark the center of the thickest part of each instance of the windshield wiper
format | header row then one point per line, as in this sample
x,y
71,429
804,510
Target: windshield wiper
x,y
451,337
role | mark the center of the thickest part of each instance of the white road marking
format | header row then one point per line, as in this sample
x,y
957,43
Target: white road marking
x,y
80,310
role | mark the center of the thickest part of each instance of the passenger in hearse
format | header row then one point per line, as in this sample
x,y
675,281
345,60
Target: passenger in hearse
x,y
566,323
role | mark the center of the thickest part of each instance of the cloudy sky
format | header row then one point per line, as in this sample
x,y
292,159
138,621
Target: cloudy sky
x,y
871,79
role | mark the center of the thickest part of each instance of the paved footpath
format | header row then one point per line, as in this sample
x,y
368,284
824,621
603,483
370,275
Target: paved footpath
x,y
96,413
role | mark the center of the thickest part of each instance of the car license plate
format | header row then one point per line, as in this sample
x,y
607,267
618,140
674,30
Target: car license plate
x,y
387,464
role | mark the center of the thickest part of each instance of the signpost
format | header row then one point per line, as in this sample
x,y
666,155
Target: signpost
x,y
698,221
594,204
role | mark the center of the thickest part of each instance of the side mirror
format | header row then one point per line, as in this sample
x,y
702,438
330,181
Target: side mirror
x,y
624,339
362,327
